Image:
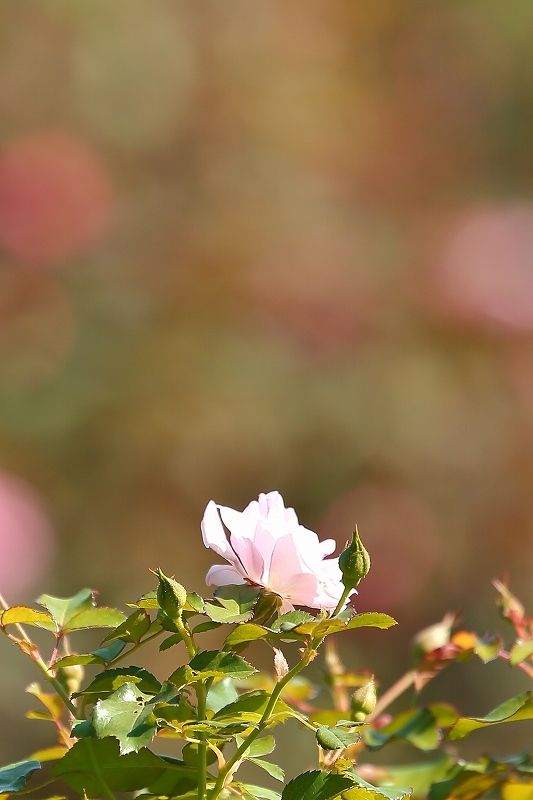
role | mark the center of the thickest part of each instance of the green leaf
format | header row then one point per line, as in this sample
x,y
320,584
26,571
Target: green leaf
x,y
82,729
234,603
273,770
336,738
520,651
128,715
127,773
148,600
419,776
287,622
371,619
488,648
217,664
64,608
327,716
517,708
246,632
170,641
258,793
195,603
13,777
182,676
101,656
177,779
250,707
94,618
366,791
221,694
316,785
132,629
260,747
111,679
206,626
23,615
416,725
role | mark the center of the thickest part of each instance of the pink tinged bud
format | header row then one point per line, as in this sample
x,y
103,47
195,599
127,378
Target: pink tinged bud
x,y
280,664
267,547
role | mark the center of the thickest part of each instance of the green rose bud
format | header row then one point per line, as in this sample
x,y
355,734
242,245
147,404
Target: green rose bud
x,y
364,701
171,595
354,562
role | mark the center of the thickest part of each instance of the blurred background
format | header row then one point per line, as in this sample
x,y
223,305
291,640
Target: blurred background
x,y
247,246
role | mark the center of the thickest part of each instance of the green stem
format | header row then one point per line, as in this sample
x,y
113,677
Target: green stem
x,y
201,695
222,775
122,656
106,791
187,637
340,604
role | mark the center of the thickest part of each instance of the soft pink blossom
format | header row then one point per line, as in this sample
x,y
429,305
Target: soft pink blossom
x,y
268,547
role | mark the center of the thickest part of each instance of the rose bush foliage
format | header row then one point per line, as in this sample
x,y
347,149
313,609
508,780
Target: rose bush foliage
x,y
221,712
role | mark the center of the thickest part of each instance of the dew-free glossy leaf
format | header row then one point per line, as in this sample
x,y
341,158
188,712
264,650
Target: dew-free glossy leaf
x,y
23,615
217,664
250,707
132,629
221,694
170,641
148,600
103,655
260,747
286,622
272,769
194,603
517,708
111,679
336,738
316,785
64,608
95,618
246,632
234,603
128,715
371,619
13,777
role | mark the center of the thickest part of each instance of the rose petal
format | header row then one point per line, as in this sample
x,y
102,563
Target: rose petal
x,y
222,575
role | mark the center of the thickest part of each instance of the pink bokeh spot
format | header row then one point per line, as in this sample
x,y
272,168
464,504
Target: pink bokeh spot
x,y
55,197
484,272
26,538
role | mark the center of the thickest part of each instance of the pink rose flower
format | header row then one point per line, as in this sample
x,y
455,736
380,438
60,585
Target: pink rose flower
x,y
267,547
